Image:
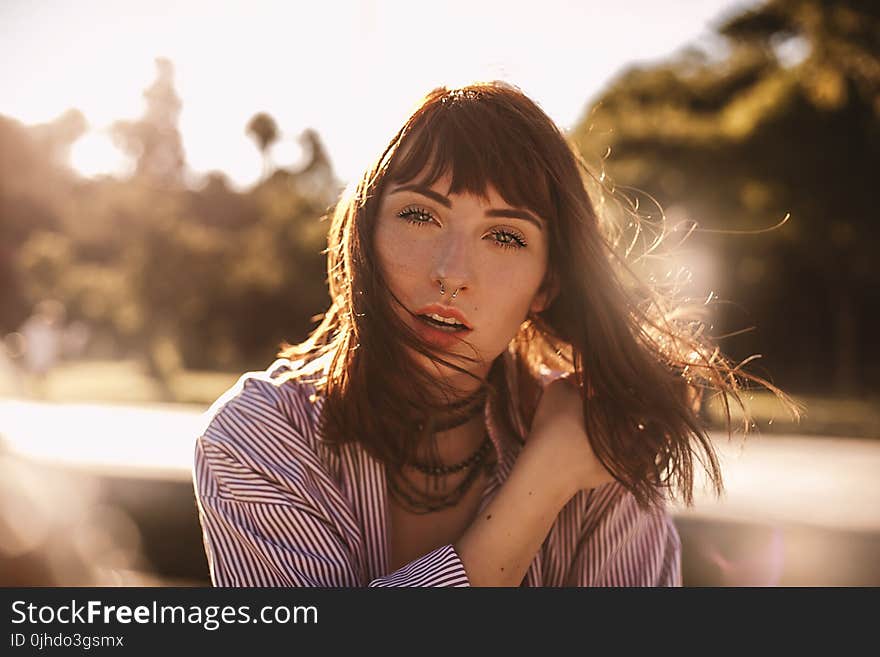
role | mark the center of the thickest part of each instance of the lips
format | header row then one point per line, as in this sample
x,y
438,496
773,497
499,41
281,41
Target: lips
x,y
447,313
436,333
431,320
440,337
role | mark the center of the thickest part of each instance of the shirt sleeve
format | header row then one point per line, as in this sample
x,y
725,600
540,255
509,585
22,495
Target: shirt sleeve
x,y
268,525
624,545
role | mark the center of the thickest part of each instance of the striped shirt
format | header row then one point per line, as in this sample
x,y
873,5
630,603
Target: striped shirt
x,y
279,508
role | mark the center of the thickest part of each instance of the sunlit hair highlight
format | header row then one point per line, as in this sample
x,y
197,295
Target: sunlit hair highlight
x,y
639,356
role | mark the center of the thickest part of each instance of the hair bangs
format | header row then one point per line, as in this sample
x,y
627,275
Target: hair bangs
x,y
479,147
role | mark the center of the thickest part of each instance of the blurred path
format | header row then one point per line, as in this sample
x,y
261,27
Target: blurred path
x,y
140,441
828,483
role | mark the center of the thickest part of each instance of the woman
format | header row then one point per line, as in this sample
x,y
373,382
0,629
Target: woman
x,y
493,397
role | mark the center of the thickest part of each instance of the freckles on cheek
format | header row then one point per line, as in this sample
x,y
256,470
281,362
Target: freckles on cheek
x,y
401,256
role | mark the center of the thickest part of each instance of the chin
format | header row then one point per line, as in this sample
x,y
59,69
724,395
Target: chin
x,y
479,369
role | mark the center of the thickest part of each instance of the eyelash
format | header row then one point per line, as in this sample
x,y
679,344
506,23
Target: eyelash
x,y
518,241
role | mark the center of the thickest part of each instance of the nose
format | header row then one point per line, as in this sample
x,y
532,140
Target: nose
x,y
452,264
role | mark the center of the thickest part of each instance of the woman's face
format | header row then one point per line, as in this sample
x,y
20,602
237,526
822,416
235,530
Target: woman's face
x,y
493,254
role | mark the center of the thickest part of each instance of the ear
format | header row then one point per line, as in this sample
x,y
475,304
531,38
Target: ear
x,y
547,293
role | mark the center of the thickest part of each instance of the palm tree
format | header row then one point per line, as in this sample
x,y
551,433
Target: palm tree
x,y
263,129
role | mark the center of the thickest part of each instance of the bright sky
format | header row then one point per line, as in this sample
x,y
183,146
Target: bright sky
x,y
349,68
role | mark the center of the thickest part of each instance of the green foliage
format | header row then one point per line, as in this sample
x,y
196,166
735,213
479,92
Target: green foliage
x,y
43,259
208,278
787,123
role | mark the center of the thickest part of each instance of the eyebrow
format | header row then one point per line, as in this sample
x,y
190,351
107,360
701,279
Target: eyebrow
x,y
512,213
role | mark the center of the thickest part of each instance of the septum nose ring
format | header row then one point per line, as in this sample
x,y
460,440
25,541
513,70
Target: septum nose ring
x,y
443,290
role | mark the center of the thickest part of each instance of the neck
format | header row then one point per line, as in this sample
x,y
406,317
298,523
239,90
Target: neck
x,y
458,443
460,385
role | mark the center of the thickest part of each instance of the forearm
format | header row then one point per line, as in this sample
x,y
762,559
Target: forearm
x,y
502,541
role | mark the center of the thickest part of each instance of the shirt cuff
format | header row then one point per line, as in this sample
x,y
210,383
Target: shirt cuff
x,y
442,567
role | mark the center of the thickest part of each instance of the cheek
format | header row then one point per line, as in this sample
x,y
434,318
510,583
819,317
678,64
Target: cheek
x,y
517,303
401,255
511,298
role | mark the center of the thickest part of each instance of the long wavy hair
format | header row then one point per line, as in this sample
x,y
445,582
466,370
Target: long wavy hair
x,y
639,356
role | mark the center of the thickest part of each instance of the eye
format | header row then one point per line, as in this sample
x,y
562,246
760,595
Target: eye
x,y
416,215
507,239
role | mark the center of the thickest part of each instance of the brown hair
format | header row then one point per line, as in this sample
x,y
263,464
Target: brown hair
x,y
641,361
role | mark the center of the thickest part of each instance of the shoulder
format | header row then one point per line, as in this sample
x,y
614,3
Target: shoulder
x,y
525,388
263,427
270,395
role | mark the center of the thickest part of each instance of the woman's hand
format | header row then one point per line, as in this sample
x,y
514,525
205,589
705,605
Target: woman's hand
x,y
559,436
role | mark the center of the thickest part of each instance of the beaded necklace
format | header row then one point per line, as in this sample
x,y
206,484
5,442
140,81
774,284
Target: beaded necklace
x,y
421,501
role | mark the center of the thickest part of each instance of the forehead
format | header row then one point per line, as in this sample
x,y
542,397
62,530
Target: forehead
x,y
443,186
483,159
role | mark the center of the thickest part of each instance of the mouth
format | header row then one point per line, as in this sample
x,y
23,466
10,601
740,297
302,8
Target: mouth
x,y
443,317
440,334
445,325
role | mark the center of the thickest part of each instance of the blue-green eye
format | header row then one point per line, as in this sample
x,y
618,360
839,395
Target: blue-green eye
x,y
416,215
508,240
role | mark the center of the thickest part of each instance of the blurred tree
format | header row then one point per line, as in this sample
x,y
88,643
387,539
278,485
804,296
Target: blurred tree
x,y
35,187
264,131
215,204
44,259
315,179
154,140
54,139
787,121
205,278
